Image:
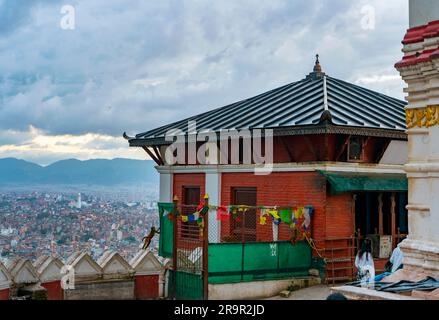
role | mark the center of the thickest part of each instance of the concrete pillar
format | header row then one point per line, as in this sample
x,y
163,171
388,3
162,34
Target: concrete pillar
x,y
161,284
275,232
166,181
166,284
420,70
213,189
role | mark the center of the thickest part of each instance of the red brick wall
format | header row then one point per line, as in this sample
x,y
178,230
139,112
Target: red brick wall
x,y
339,216
147,287
339,224
54,290
187,180
283,189
4,294
333,217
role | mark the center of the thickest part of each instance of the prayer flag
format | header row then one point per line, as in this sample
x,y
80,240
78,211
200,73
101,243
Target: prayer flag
x,y
222,214
274,213
285,215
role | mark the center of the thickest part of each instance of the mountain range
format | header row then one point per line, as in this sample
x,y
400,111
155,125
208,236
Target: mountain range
x,y
75,172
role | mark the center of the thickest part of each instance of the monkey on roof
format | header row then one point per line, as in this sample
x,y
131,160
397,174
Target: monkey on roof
x,y
147,239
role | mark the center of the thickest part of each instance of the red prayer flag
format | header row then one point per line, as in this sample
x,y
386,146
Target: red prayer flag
x,y
222,214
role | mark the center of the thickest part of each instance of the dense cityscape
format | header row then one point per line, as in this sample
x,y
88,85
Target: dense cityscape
x,y
33,223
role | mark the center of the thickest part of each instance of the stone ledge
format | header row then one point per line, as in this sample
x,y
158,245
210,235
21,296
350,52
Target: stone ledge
x,y
258,289
355,293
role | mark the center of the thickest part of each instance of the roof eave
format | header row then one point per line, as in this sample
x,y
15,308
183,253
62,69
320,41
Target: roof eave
x,y
394,134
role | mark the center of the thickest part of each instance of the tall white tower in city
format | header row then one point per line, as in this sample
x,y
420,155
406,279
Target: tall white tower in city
x,y
78,205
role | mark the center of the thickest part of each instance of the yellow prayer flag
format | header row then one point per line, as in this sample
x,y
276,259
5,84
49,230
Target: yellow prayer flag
x,y
274,213
263,220
298,213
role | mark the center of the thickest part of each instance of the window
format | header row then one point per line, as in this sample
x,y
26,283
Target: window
x,y
191,197
355,149
244,227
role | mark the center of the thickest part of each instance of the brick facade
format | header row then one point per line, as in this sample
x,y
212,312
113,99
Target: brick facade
x,y
188,180
333,217
180,182
283,189
339,216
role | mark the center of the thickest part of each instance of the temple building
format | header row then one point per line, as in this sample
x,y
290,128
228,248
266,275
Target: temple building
x,y
338,154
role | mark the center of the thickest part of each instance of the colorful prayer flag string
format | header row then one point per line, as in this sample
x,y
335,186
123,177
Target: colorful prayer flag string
x,y
292,216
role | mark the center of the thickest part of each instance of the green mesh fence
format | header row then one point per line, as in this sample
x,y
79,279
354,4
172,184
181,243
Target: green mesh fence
x,y
188,286
166,230
244,262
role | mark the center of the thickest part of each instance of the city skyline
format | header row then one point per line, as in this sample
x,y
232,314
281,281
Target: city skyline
x,y
35,223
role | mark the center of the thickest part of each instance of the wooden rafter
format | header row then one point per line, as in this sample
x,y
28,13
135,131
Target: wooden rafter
x,y
343,148
383,150
153,157
366,142
158,155
310,146
290,153
325,150
380,214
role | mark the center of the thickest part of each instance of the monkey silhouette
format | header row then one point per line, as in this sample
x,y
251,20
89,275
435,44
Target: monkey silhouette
x,y
147,239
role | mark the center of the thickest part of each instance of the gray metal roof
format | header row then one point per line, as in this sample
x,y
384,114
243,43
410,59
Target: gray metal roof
x,y
301,104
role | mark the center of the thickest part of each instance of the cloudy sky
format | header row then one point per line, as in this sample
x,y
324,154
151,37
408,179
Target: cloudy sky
x,y
136,64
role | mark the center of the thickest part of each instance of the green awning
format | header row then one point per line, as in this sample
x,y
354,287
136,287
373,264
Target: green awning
x,y
350,181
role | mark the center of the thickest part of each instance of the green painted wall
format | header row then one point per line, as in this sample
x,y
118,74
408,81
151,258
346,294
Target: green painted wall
x,y
244,262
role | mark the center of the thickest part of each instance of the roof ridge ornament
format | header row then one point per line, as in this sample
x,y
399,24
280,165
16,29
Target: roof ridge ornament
x,y
317,70
317,66
326,118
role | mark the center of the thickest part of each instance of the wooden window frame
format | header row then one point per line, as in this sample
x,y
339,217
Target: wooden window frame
x,y
363,141
242,231
185,211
